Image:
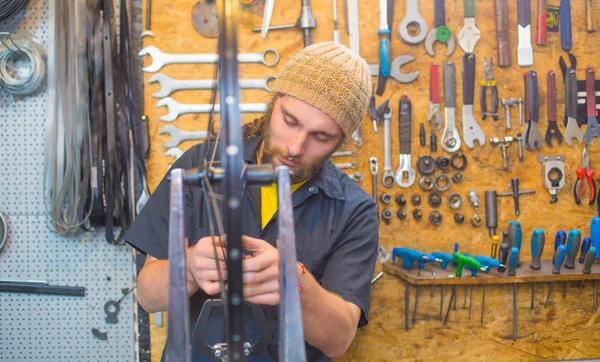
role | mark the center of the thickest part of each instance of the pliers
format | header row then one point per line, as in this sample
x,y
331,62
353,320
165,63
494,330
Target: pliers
x,y
582,173
489,81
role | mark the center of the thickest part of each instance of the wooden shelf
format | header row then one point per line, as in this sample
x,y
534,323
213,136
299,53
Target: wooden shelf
x,y
524,274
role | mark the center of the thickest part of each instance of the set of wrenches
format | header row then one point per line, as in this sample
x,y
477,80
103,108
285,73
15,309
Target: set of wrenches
x,y
168,85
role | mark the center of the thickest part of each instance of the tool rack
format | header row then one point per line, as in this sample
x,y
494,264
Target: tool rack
x,y
446,277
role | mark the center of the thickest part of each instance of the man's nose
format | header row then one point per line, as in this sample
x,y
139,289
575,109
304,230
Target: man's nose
x,y
296,145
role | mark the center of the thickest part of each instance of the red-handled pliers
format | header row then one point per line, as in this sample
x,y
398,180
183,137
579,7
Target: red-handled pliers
x,y
582,173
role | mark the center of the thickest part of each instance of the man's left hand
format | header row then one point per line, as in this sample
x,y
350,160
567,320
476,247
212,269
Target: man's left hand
x,y
261,272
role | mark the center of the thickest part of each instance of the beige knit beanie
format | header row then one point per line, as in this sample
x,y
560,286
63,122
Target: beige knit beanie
x,y
332,78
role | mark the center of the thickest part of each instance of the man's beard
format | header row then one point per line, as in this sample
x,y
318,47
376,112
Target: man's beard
x,y
301,171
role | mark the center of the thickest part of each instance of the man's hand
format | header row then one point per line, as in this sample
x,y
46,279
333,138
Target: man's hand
x,y
202,264
261,272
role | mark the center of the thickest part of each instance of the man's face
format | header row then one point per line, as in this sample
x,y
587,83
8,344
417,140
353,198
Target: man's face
x,y
299,136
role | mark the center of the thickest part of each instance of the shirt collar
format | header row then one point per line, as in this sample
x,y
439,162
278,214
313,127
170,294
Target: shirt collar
x,y
325,179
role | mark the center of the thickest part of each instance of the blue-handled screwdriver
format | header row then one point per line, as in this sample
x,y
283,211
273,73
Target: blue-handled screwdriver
x,y
538,239
559,258
585,246
515,237
561,239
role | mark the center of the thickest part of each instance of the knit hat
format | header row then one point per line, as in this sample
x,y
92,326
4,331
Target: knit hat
x,y
331,78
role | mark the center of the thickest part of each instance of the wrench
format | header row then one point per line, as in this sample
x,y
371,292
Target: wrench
x,y
178,136
592,123
356,137
471,130
388,173
346,165
469,34
434,116
552,132
533,137
344,154
174,152
374,167
169,85
440,31
405,176
450,138
412,17
160,59
176,109
573,130
396,69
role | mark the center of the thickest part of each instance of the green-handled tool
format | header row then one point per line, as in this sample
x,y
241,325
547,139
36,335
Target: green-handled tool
x,y
463,260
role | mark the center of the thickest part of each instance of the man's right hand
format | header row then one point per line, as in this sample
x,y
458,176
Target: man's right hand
x,y
202,263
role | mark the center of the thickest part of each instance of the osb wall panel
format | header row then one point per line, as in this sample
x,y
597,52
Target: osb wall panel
x,y
566,329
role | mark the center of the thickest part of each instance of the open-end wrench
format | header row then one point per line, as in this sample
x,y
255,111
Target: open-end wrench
x,y
396,69
160,59
434,97
573,130
405,176
412,17
356,137
178,136
174,152
388,172
552,132
524,49
176,109
592,128
471,130
533,137
169,85
346,165
440,31
450,136
469,34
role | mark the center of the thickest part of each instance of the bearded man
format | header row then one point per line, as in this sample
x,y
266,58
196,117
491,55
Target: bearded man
x,y
320,99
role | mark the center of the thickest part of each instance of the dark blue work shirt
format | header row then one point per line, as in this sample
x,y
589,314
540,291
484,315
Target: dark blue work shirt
x,y
336,226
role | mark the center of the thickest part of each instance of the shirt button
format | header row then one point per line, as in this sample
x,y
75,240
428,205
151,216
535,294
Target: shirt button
x,y
312,189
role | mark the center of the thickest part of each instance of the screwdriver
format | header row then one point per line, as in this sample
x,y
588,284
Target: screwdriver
x,y
572,247
503,254
573,242
585,246
561,237
559,258
538,239
495,240
514,256
590,256
514,237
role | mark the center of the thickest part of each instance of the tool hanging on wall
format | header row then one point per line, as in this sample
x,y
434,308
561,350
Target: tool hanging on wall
x,y
387,178
533,137
405,176
582,173
414,18
541,32
471,130
516,193
434,117
507,104
552,132
553,174
450,138
170,85
570,77
590,16
524,49
352,24
336,31
502,32
205,21
440,31
469,34
566,41
384,47
306,22
489,81
593,129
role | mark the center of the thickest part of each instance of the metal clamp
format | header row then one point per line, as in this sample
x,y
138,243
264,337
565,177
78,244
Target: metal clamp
x,y
553,173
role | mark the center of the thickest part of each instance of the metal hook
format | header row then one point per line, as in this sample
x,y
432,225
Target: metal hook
x,y
7,34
